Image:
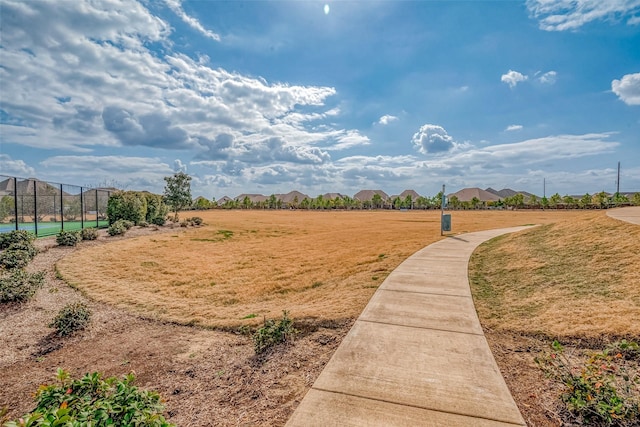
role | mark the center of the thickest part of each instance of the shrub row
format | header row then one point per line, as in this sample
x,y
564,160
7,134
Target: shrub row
x,y
136,206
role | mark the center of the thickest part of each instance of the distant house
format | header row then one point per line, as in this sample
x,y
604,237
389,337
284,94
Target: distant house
x,y
291,197
507,192
332,196
367,195
224,199
468,194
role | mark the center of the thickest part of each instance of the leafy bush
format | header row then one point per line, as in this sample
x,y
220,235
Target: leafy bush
x,y
19,286
117,228
184,223
128,205
156,208
273,333
159,220
127,224
16,236
605,391
93,401
68,238
89,234
143,224
18,255
72,317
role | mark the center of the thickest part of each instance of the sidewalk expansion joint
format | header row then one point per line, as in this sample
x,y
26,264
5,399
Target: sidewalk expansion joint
x,y
417,406
425,293
421,327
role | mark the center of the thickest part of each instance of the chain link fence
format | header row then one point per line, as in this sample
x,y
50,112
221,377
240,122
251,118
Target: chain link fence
x,y
45,208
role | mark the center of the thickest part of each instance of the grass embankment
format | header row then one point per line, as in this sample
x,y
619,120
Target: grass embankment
x,y
245,265
574,279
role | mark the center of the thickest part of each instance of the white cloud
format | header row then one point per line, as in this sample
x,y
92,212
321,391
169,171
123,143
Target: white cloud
x,y
124,94
130,172
561,15
628,88
178,166
350,139
511,128
512,78
176,6
548,78
433,139
386,119
18,168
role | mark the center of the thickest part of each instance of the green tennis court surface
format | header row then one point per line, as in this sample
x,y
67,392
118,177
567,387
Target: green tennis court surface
x,y
51,228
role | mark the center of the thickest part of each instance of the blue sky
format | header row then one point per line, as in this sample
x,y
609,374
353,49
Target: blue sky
x,y
274,96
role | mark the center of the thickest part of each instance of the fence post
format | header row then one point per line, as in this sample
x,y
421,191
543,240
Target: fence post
x,y
61,210
35,206
81,209
15,199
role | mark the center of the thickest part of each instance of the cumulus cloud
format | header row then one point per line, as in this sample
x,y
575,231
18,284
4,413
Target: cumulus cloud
x,y
130,172
562,15
92,68
512,78
548,78
349,139
628,88
511,128
176,6
18,168
386,119
433,139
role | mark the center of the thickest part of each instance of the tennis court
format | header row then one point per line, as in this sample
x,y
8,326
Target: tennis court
x,y
51,228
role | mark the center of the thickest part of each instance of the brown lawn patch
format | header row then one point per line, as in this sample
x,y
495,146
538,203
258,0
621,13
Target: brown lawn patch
x,y
567,279
574,280
245,265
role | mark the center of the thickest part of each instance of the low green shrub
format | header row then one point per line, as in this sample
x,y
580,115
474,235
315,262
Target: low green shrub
x,y
89,234
19,286
93,401
18,255
143,224
128,224
159,220
16,236
68,238
272,333
72,317
604,390
118,228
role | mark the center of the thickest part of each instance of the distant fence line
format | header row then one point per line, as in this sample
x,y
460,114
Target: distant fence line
x,y
45,208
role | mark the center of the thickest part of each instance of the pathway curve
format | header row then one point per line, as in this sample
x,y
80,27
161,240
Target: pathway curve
x,y
630,214
417,354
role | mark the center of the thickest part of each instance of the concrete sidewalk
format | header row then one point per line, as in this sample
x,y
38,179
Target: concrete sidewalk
x,y
417,355
630,214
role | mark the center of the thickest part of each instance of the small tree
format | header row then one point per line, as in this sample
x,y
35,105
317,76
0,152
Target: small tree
x,y
177,192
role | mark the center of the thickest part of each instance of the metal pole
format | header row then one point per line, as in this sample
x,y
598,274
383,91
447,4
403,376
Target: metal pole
x,y
61,209
81,209
35,206
97,223
618,181
15,199
442,212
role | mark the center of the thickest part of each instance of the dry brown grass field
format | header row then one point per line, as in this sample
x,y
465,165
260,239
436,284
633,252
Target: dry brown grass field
x,y
244,265
577,281
321,266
